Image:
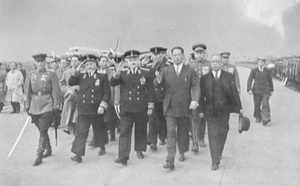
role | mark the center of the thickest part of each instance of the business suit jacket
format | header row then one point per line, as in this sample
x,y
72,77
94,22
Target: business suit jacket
x,y
206,103
179,90
263,82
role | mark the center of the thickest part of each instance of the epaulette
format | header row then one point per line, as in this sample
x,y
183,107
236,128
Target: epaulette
x,y
82,71
111,67
149,64
146,69
125,69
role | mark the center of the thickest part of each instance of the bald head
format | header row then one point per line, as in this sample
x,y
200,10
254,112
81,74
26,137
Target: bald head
x,y
215,62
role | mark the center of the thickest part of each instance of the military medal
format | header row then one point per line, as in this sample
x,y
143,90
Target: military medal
x,y
143,80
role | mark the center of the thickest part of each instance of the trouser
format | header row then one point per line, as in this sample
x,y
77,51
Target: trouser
x,y
218,128
16,106
262,106
112,120
140,136
43,122
1,106
157,125
177,131
82,132
198,127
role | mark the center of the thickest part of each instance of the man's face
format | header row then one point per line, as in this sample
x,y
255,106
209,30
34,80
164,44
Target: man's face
x,y
13,66
54,65
225,60
74,62
177,56
103,63
261,63
199,55
215,63
63,63
133,62
90,66
19,66
40,65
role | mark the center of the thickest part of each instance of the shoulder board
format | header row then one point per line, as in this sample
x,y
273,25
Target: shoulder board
x,y
149,64
32,71
112,67
146,69
125,69
82,72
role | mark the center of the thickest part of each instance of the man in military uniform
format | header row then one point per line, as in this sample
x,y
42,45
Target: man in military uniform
x,y
157,121
231,69
93,97
43,102
202,67
136,101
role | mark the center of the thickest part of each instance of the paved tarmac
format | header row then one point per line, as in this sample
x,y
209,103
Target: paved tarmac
x,y
265,155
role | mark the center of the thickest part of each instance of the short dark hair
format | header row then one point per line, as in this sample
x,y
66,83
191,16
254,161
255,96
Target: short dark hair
x,y
179,48
99,59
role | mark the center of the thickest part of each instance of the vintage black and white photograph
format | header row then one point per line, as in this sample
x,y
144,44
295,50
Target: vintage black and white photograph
x,y
150,92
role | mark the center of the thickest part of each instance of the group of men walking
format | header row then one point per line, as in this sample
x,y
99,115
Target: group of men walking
x,y
174,96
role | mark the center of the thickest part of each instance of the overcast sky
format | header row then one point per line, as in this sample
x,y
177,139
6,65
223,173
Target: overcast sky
x,y
243,27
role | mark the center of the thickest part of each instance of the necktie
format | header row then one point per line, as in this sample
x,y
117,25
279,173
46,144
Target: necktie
x,y
216,76
177,70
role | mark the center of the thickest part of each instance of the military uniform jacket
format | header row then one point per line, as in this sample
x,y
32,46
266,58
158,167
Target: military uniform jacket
x,y
263,82
136,90
43,93
201,68
94,91
158,66
232,70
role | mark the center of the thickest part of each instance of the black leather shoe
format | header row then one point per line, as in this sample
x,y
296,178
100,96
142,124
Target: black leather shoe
x,y
102,151
37,161
195,148
169,165
214,166
77,158
258,120
140,155
181,157
266,122
47,153
153,146
122,161
162,142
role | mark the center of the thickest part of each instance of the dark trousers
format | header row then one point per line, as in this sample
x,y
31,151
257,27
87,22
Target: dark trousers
x,y
140,135
83,126
1,106
43,122
199,134
177,131
218,128
157,124
262,106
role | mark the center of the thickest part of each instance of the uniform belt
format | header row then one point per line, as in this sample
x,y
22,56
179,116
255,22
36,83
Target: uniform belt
x,y
39,93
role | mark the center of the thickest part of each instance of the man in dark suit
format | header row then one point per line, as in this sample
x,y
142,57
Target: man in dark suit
x,y
136,102
93,97
261,89
219,97
181,94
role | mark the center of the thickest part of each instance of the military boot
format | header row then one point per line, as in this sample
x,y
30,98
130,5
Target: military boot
x,y
40,150
48,149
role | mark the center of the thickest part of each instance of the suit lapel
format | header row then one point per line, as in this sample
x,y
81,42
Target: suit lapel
x,y
179,79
